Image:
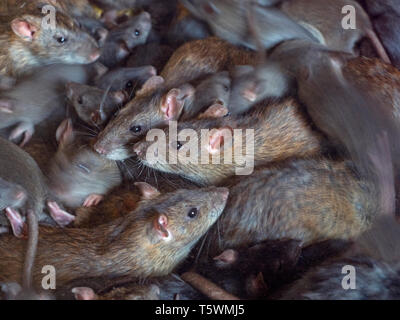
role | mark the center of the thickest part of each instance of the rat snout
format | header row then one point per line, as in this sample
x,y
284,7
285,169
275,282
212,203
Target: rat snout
x,y
95,55
100,149
140,149
20,195
69,90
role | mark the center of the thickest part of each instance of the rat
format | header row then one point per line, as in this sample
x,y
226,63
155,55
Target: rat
x,y
128,79
121,40
281,131
19,168
327,18
163,97
36,97
12,195
94,106
77,175
385,16
227,19
150,241
26,44
153,53
375,259
348,208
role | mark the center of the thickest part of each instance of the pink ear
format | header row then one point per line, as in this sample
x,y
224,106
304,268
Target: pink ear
x,y
160,225
173,103
217,139
148,192
120,96
84,293
23,29
227,257
6,106
65,132
150,85
215,111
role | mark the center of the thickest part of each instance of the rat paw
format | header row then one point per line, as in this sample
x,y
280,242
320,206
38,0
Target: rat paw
x,y
93,200
18,225
60,216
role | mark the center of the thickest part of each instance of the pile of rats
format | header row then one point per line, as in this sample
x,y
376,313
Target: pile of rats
x,y
305,93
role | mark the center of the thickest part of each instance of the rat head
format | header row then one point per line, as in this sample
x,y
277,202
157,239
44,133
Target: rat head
x,y
94,105
154,106
135,31
176,221
198,151
61,42
11,195
127,79
77,172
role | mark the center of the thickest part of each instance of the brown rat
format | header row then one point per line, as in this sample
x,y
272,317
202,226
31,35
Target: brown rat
x,y
26,44
164,98
35,97
305,200
151,241
77,175
281,131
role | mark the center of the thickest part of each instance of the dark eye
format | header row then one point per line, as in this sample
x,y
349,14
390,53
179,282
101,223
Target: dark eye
x,y
61,40
83,168
136,129
129,84
137,33
80,100
179,145
193,213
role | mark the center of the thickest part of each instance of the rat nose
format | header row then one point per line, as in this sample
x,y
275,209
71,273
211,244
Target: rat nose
x,y
100,149
95,55
69,90
224,193
139,149
20,195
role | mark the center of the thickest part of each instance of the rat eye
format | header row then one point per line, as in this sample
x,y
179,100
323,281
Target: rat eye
x,y
179,145
137,33
193,213
129,84
136,129
61,40
83,168
80,100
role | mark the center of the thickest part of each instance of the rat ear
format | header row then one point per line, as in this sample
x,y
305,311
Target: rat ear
x,y
227,257
151,84
6,106
148,192
99,70
119,96
215,111
218,138
172,104
84,293
24,29
160,228
65,132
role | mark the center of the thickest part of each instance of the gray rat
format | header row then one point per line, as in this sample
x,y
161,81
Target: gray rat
x,y
121,40
77,175
35,97
93,105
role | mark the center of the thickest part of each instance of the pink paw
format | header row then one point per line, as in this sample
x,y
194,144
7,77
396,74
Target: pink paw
x,y
93,200
18,225
60,216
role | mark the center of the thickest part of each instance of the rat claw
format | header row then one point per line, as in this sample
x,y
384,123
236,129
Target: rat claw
x,y
93,200
18,225
62,217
